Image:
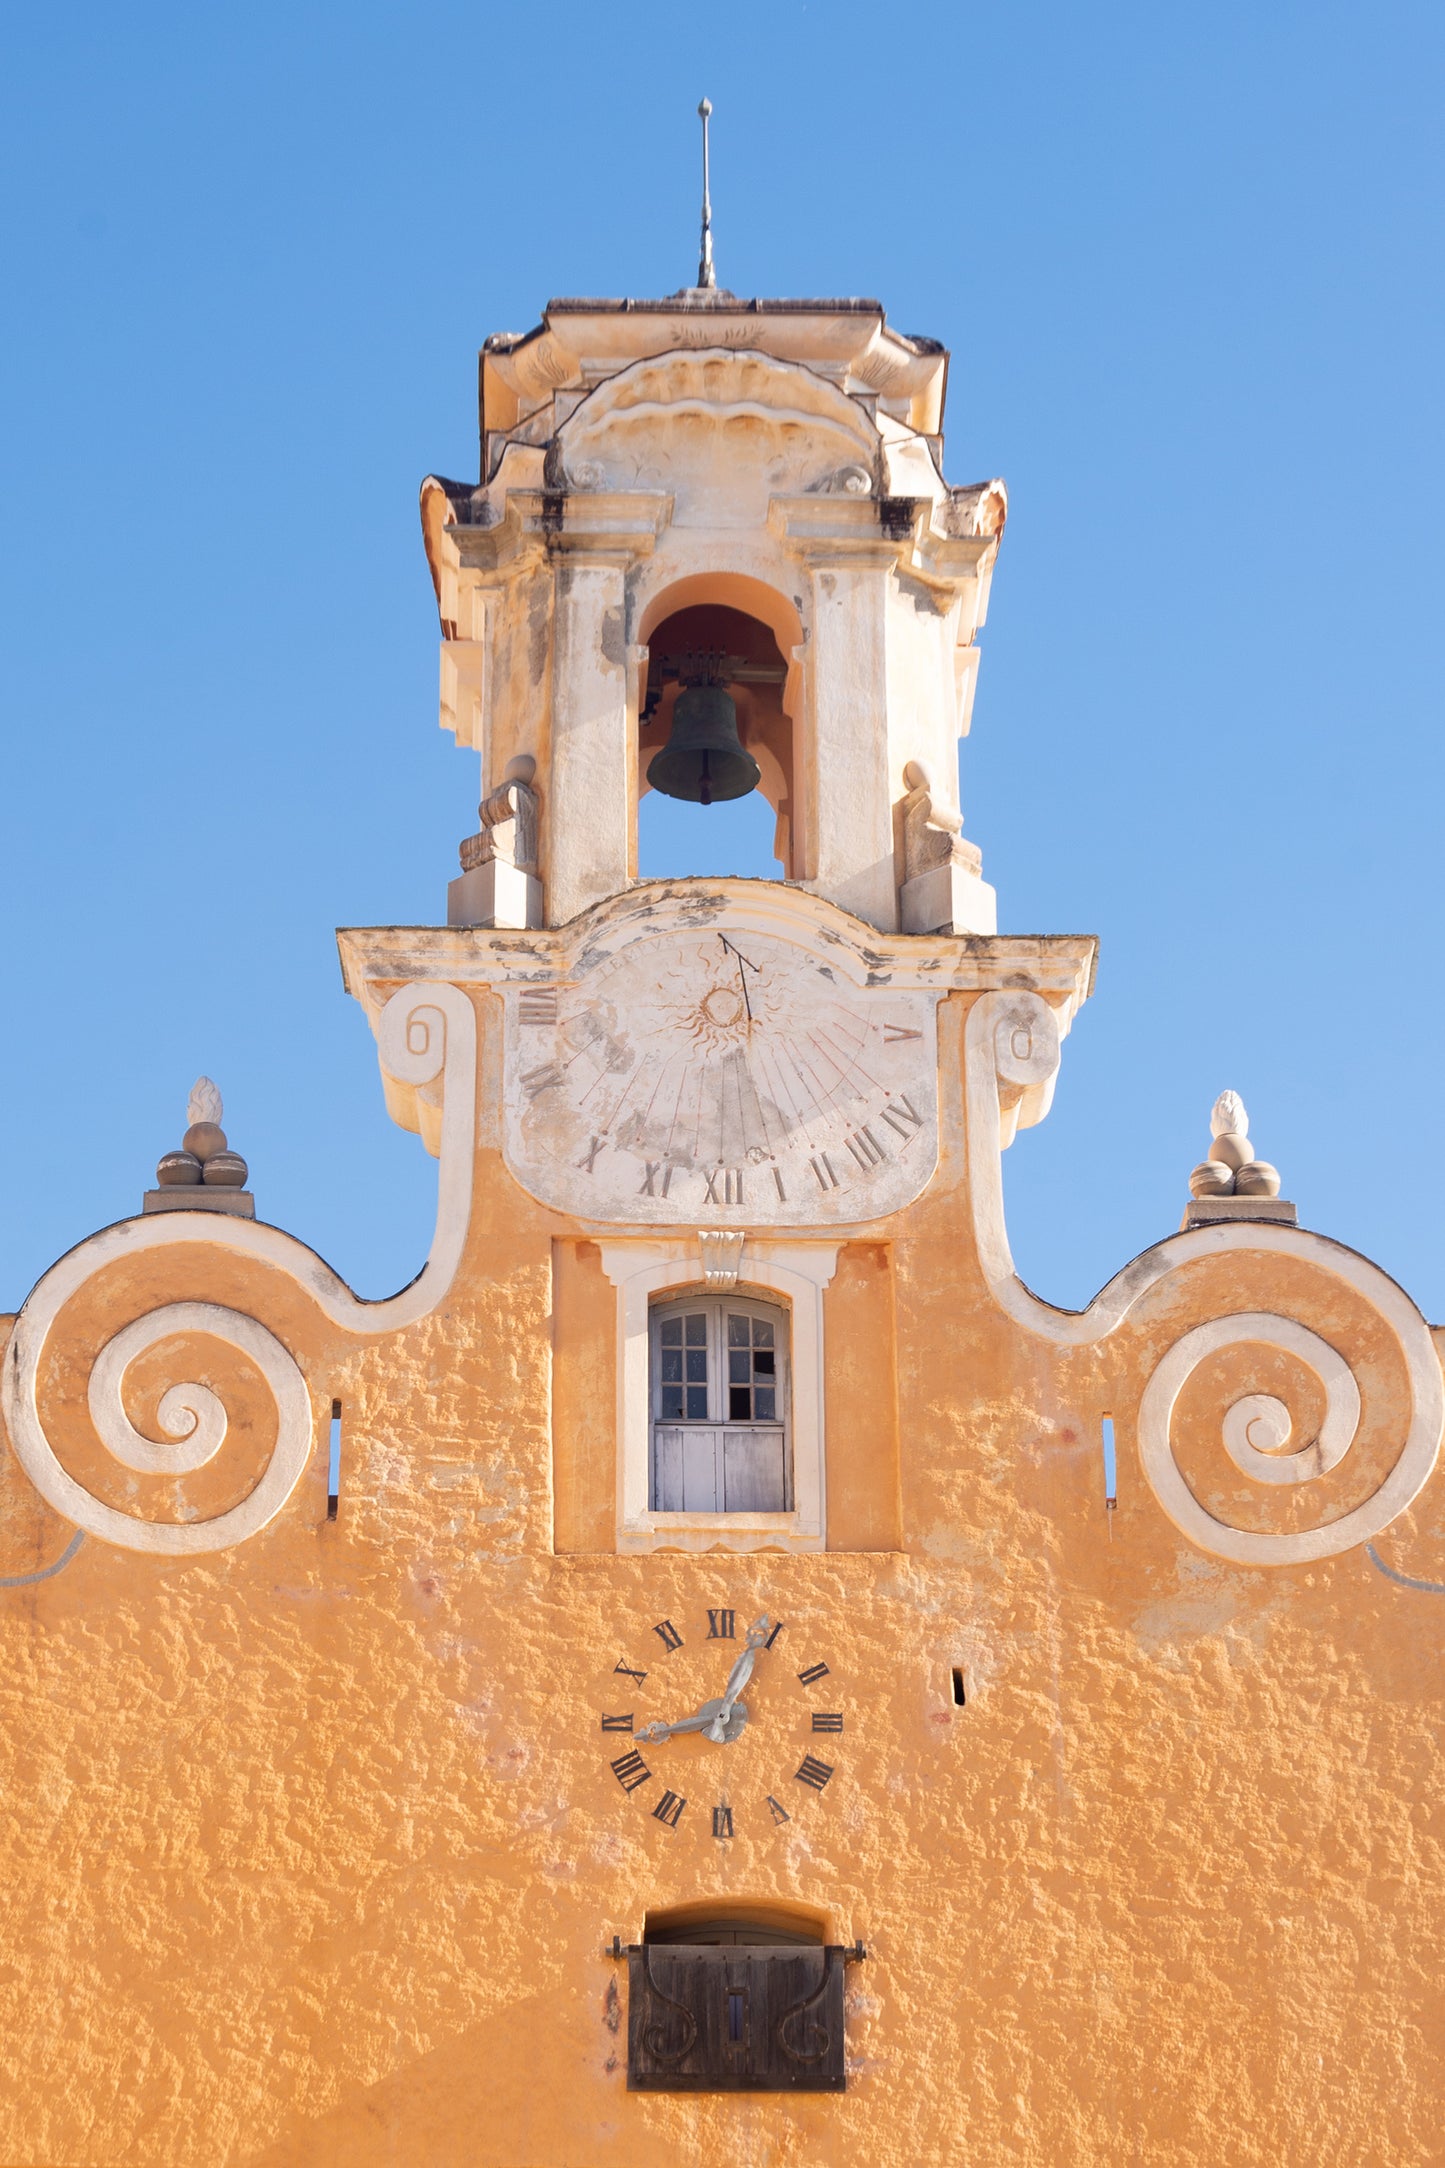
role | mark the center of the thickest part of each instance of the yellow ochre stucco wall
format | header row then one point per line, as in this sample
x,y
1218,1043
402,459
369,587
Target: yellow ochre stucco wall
x,y
312,1852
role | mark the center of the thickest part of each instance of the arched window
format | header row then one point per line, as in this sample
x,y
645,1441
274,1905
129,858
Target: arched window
x,y
719,1406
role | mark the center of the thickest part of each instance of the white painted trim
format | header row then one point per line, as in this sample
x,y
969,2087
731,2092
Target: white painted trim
x,y
1012,1041
798,1271
426,1043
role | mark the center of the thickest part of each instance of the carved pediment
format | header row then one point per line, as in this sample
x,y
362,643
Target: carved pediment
x,y
721,432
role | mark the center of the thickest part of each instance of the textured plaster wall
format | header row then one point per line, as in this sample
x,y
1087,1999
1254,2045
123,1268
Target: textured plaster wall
x,y
312,1853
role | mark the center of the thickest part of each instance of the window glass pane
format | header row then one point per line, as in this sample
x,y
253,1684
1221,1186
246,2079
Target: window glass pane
x,y
697,1330
762,1332
672,1332
697,1403
737,1331
762,1363
697,1366
671,1403
672,1364
739,1409
739,1366
763,1403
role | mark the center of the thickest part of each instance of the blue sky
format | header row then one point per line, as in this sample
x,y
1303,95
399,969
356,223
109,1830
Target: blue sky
x,y
1188,264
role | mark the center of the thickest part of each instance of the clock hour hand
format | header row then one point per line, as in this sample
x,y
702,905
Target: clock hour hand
x,y
656,1733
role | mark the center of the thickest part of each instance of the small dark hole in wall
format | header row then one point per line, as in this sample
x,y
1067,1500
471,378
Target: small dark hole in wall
x,y
960,1698
735,2017
333,1474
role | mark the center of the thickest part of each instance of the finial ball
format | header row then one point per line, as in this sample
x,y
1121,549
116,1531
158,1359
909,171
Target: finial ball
x,y
705,108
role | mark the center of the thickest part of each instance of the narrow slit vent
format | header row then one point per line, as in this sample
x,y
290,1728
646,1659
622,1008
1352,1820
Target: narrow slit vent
x,y
1106,1433
333,1470
959,1697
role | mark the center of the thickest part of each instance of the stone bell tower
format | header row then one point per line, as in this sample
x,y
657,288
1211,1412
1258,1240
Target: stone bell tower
x,y
758,480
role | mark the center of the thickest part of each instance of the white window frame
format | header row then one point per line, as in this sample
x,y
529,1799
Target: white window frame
x,y
744,1302
796,1272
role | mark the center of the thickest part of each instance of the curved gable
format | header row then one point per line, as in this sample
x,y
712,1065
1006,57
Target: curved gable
x,y
721,432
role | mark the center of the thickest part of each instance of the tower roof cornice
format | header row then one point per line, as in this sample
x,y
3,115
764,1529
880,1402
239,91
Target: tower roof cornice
x,y
583,340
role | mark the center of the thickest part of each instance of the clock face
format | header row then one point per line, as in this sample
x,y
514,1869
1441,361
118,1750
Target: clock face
x,y
723,1077
719,1728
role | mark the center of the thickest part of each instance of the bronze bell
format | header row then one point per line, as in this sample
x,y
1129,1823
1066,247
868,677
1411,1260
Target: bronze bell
x,y
703,759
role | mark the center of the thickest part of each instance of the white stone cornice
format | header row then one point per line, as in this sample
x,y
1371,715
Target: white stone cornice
x,y
1058,966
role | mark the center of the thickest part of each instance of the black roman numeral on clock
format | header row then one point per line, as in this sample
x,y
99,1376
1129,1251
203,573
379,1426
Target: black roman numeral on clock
x,y
624,1723
827,1720
669,1809
670,1637
631,1770
722,1821
779,1813
722,1625
772,1637
812,1772
627,1672
814,1672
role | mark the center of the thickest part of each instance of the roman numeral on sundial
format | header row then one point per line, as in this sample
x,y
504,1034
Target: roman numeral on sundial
x,y
900,1115
895,1034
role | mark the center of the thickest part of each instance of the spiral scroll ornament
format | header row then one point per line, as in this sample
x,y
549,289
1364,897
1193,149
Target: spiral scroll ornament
x,y
1012,1040
1258,1435
194,1421
427,1044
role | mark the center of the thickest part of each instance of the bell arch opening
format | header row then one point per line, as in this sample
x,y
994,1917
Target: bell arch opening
x,y
735,635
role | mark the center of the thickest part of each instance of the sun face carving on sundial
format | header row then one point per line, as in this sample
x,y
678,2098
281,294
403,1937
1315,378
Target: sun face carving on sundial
x,y
725,1075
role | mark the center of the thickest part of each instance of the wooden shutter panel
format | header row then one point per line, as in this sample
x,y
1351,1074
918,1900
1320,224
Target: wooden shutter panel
x,y
754,1471
742,2019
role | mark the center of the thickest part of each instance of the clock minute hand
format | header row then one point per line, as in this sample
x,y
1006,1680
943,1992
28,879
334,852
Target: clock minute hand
x,y
738,1677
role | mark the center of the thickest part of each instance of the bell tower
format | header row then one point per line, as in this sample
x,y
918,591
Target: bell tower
x,y
727,515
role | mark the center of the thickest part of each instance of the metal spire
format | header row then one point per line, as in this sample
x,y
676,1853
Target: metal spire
x,y
706,276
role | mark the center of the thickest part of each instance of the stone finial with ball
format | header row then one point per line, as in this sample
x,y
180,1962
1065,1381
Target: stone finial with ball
x,y
1231,1170
205,1174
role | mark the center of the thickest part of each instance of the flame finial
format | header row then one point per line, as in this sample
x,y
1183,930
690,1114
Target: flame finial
x,y
204,1104
706,275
